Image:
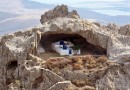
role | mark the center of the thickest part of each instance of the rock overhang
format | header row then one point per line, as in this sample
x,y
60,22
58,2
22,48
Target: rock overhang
x,y
27,43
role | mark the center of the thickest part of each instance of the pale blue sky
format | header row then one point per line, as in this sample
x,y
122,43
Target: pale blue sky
x,y
109,7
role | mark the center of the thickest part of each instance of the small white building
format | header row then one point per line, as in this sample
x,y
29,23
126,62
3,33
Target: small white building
x,y
64,48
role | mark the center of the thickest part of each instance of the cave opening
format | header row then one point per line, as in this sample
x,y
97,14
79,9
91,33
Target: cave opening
x,y
10,69
76,39
12,64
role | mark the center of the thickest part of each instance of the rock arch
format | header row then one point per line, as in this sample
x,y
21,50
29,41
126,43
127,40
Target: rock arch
x,y
50,37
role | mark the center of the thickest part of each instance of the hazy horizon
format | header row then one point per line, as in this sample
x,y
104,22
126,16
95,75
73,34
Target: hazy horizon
x,y
17,15
108,7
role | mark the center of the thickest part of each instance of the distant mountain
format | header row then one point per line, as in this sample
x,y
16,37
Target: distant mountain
x,y
16,15
35,5
20,14
19,23
102,18
5,15
121,19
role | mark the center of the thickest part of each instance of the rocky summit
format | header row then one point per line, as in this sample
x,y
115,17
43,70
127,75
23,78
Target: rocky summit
x,y
27,61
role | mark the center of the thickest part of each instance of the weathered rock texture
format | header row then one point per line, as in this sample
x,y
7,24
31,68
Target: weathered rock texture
x,y
125,30
22,68
116,78
59,11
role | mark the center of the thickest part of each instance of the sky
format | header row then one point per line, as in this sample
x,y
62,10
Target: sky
x,y
109,7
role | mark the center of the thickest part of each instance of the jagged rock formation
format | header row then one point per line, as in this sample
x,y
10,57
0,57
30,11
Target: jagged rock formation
x,y
116,78
59,11
23,67
125,30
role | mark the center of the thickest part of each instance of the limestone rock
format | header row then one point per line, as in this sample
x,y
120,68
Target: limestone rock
x,y
59,11
46,80
125,30
23,67
115,78
113,26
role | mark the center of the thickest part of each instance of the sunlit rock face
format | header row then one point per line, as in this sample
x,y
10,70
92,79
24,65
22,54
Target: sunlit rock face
x,y
125,30
59,11
25,63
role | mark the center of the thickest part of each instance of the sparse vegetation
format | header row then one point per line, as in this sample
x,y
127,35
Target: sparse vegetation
x,y
77,62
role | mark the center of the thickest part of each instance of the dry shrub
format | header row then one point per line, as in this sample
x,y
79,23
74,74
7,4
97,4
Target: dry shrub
x,y
92,62
77,60
77,66
100,65
90,66
89,59
57,62
102,59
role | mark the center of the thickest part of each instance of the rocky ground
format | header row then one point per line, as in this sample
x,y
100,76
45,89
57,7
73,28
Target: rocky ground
x,y
23,68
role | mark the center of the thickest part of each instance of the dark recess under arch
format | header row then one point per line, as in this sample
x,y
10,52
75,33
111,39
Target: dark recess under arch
x,y
48,39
